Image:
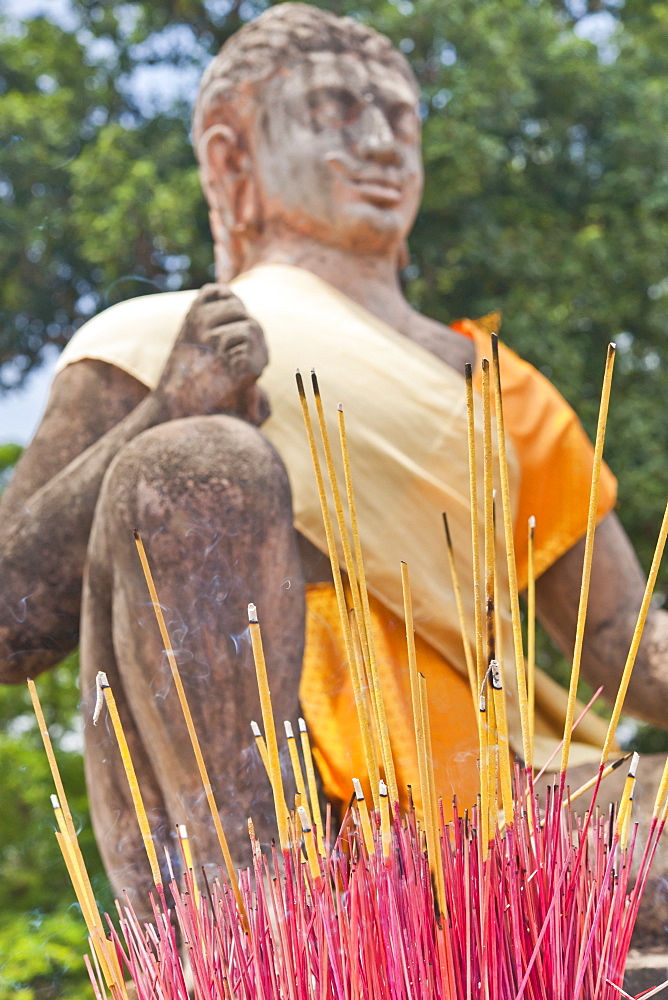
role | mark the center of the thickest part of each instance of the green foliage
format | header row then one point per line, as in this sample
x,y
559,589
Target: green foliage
x,y
42,933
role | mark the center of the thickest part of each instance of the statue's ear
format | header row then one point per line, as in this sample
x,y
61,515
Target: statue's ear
x,y
229,186
227,176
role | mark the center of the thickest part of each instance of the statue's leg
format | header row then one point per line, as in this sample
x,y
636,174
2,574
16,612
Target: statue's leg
x,y
211,499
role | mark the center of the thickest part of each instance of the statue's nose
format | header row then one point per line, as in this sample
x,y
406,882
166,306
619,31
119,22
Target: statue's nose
x,y
376,139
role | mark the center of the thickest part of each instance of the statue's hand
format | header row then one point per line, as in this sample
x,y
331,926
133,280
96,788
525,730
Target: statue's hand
x,y
216,360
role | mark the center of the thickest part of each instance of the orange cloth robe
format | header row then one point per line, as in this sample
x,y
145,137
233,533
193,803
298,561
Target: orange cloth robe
x,y
555,473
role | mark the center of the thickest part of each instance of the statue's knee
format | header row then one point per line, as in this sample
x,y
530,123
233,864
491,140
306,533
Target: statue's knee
x,y
211,468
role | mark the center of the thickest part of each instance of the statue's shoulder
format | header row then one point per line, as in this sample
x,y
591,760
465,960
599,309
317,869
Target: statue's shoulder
x,y
136,335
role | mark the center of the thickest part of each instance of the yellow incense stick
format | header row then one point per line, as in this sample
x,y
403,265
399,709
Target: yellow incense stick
x,y
385,826
510,558
498,634
262,749
531,637
184,840
311,778
481,713
275,776
297,768
624,814
588,554
377,701
475,543
572,796
637,636
107,955
505,769
419,723
131,775
661,793
309,843
261,745
468,654
420,737
91,916
498,695
492,772
435,853
102,948
367,832
190,725
365,626
360,702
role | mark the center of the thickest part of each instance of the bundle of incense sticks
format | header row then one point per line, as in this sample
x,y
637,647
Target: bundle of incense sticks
x,y
515,899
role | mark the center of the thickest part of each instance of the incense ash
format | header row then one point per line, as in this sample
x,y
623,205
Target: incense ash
x,y
519,898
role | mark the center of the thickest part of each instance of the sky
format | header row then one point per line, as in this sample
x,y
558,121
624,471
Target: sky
x,y
21,409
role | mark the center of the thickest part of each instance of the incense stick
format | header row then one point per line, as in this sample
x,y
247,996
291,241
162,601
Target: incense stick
x,y
310,777
367,832
365,729
494,667
104,951
573,796
510,557
275,777
588,554
468,655
297,769
367,646
190,725
531,637
147,837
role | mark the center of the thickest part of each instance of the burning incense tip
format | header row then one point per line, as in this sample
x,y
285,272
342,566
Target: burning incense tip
x,y
314,382
183,833
634,765
300,383
340,407
55,804
468,370
382,789
618,763
359,792
532,522
302,725
255,729
448,537
495,674
288,730
101,683
252,614
135,532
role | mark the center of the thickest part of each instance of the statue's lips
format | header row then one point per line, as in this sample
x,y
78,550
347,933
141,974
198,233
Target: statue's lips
x,y
378,190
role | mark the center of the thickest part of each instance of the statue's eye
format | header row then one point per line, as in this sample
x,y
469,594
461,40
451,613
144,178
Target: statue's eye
x,y
333,109
405,123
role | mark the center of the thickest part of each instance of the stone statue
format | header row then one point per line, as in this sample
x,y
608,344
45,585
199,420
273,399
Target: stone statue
x,y
308,137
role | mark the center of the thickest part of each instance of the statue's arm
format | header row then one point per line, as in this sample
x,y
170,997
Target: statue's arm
x,y
616,591
86,400
213,368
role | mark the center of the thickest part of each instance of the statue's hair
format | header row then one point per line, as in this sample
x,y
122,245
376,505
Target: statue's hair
x,y
280,37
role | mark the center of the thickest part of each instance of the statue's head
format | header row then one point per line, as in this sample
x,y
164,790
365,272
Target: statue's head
x,y
307,123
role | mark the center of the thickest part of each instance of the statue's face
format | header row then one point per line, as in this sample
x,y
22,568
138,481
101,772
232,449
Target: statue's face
x,y
338,153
